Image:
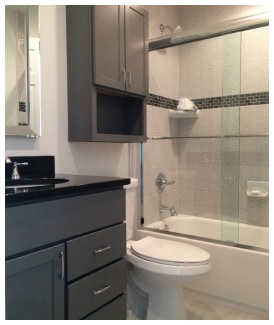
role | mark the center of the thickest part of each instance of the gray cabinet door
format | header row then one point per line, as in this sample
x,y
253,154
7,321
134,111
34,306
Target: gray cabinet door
x,y
121,48
35,285
109,48
136,45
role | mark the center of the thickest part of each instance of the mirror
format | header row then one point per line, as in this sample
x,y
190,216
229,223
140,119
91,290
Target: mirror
x,y
22,71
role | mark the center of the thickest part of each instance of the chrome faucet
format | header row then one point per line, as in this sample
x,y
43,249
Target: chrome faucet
x,y
172,210
15,173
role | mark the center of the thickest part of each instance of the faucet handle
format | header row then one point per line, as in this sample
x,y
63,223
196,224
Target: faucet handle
x,y
161,182
15,173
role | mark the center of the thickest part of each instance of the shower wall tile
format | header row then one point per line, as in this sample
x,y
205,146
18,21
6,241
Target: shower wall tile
x,y
200,126
210,204
159,124
190,55
255,45
230,121
211,54
255,77
211,83
254,119
253,210
254,60
200,177
189,151
231,80
231,50
164,72
254,151
188,204
160,156
190,84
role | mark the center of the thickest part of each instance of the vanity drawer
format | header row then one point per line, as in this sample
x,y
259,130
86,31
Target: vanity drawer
x,y
92,251
95,290
116,309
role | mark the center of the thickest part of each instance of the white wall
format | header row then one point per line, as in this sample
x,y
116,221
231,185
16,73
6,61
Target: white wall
x,y
108,159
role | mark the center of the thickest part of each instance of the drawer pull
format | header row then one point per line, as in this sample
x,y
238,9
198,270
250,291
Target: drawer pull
x,y
101,250
97,292
62,262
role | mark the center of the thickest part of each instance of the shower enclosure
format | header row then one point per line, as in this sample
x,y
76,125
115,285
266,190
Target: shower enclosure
x,y
215,163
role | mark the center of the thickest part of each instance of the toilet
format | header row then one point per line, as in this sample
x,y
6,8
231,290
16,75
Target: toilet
x,y
158,269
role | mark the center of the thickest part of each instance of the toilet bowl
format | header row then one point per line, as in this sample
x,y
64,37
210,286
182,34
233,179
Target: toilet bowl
x,y
160,267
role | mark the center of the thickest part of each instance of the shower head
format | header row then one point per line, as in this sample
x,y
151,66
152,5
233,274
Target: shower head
x,y
177,29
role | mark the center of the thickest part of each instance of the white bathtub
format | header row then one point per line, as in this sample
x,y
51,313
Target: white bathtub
x,y
239,277
244,234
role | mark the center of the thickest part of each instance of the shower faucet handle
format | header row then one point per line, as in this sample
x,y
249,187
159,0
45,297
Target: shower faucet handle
x,y
161,182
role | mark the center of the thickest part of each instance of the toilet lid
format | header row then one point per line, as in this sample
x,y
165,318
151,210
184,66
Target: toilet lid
x,y
169,252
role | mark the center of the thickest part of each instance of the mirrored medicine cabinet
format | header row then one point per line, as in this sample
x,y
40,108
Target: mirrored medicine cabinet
x,y
22,71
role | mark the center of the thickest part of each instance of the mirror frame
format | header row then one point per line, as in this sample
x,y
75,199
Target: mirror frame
x,y
33,129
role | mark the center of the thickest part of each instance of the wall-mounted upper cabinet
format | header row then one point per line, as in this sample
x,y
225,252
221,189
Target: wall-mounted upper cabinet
x,y
121,48
107,61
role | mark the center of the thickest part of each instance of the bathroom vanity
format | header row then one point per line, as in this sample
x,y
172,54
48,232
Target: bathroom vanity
x,y
65,248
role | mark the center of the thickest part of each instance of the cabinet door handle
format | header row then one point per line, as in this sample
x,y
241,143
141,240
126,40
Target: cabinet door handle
x,y
124,77
128,78
62,273
101,250
99,291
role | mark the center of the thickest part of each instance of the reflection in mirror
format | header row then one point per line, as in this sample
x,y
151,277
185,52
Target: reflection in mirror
x,y
22,75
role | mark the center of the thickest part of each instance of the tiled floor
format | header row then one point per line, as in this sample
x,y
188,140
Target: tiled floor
x,y
197,310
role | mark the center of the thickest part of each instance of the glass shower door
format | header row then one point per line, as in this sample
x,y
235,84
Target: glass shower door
x,y
230,140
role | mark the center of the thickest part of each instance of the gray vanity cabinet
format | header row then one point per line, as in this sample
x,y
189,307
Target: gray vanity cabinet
x,y
120,48
65,257
35,285
107,69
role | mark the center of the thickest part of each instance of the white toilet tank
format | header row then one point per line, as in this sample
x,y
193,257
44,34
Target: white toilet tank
x,y
131,204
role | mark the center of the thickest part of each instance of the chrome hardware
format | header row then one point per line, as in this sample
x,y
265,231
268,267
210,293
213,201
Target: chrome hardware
x,y
172,210
124,77
97,292
15,173
7,160
128,79
62,273
161,182
101,250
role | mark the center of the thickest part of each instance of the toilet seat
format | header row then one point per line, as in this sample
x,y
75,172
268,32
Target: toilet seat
x,y
169,252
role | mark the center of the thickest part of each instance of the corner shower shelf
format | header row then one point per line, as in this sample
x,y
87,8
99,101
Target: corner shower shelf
x,y
182,114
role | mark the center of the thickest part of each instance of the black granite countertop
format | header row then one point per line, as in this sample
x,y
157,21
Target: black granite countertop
x,y
75,185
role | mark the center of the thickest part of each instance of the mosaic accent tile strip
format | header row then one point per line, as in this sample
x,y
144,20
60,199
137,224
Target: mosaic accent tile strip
x,y
213,102
160,101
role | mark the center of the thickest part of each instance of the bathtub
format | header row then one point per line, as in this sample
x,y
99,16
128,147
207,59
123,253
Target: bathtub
x,y
240,274
240,233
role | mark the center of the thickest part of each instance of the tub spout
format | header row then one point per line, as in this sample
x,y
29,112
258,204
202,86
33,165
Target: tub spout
x,y
172,210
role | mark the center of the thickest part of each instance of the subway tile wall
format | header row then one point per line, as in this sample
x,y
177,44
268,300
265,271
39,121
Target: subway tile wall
x,y
196,163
